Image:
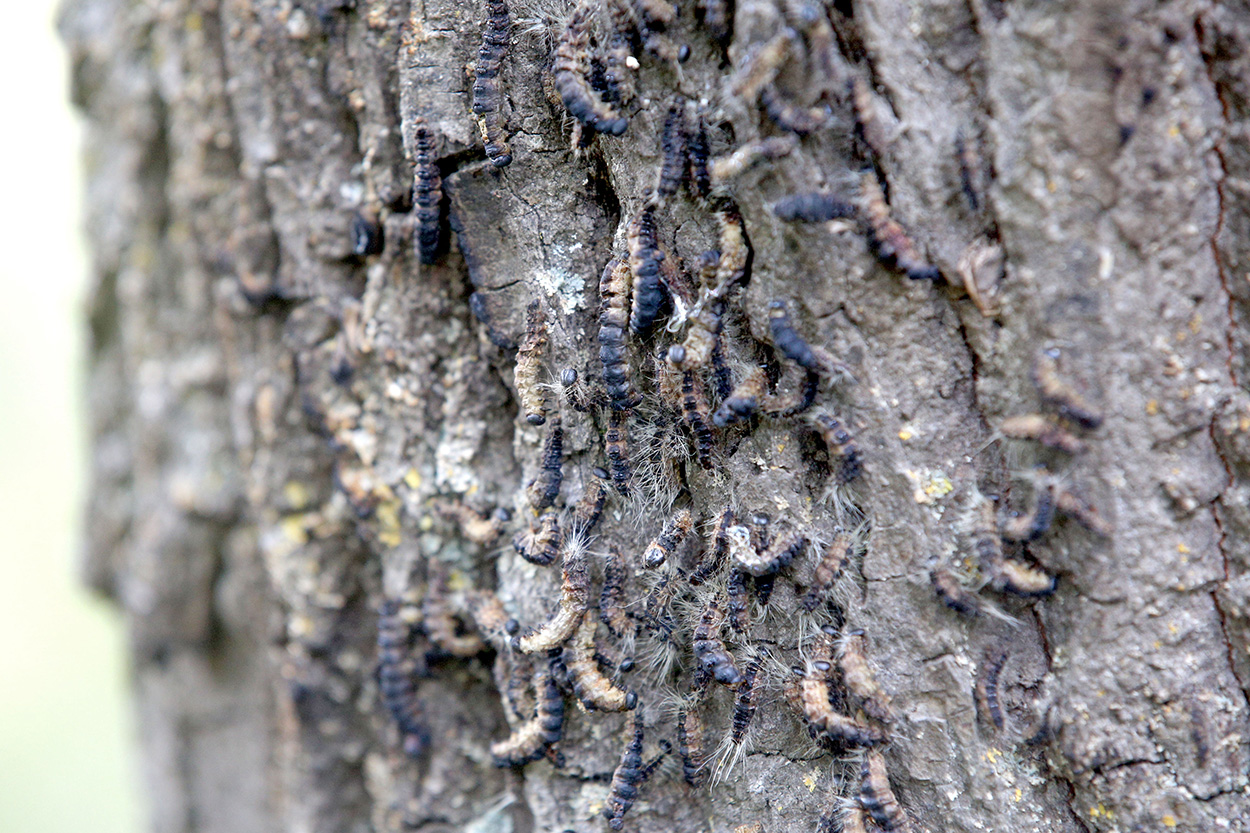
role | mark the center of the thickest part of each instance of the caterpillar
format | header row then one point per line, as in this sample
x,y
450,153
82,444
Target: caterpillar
x,y
486,93
427,197
543,490
891,243
574,598
529,365
665,544
397,666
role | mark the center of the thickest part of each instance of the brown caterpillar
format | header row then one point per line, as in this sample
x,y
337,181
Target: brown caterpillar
x,y
890,242
1043,429
572,78
814,699
698,152
478,528
531,740
612,595
440,622
860,681
854,821
690,745
673,149
675,530
735,248
987,544
613,319
540,542
626,778
1031,525
738,604
397,665
644,265
953,594
877,798
986,688
834,560
744,400
774,560
595,691
812,207
1060,395
790,115
490,618
844,454
709,650
761,67
703,334
732,165
529,356
714,558
486,93
1081,512
587,511
427,196
694,412
543,490
574,597
1022,580
616,441
867,118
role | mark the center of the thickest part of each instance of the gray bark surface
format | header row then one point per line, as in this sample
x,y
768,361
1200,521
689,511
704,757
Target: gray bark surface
x,y
249,512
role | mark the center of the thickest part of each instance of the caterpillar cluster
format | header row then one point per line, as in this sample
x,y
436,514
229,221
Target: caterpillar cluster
x,y
687,370
991,536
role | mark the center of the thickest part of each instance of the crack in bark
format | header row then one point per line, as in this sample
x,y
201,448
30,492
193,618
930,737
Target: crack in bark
x,y
1221,268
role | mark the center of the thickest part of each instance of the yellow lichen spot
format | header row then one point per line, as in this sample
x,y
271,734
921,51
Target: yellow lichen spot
x,y
389,533
905,434
412,478
938,485
1174,131
295,494
1169,820
1052,186
1172,628
1158,644
1019,794
194,22
425,524
1182,549
1244,423
458,581
781,447
811,779
1152,407
294,529
1195,323
993,754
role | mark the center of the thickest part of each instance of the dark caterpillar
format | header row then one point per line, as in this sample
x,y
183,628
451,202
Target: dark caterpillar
x,y
427,197
486,93
397,666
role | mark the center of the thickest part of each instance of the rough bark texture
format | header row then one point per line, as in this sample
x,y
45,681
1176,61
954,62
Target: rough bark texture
x,y
274,418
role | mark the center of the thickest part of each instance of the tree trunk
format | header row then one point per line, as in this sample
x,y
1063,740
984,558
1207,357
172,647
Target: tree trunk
x,y
285,423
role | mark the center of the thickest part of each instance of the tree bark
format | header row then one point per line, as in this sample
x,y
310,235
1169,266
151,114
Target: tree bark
x,y
278,421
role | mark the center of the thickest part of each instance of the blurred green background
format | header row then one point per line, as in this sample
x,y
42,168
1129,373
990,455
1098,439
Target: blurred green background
x,y
67,756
